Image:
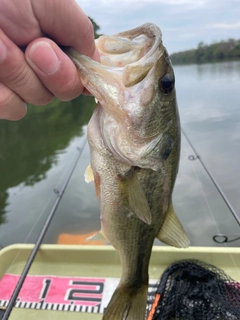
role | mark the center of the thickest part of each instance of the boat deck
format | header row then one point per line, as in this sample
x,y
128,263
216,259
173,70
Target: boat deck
x,y
50,282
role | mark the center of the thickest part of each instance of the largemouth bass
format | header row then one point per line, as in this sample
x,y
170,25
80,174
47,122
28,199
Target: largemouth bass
x,y
134,138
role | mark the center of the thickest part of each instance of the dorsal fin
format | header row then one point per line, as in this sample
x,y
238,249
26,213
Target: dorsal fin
x,y
172,232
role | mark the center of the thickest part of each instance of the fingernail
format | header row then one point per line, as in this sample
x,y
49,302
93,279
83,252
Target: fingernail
x,y
44,58
3,51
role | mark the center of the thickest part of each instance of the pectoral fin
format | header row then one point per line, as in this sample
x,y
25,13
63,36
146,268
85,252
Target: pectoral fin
x,y
138,200
88,174
172,232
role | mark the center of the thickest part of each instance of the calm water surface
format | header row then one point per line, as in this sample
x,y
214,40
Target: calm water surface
x,y
37,153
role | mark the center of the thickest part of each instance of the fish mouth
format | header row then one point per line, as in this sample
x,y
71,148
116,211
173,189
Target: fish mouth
x,y
131,52
126,59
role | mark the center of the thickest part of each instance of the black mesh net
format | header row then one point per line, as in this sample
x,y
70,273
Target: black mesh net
x,y
193,290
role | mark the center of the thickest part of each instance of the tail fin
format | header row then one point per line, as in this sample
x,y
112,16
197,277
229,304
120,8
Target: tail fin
x,y
127,304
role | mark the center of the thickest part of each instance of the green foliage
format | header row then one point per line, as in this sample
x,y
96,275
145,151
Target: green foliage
x,y
95,27
217,51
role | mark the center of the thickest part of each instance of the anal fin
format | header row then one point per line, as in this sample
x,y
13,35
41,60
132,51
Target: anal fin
x,y
172,232
97,236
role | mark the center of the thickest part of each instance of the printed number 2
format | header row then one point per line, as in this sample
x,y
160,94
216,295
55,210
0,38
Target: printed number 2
x,y
72,293
45,288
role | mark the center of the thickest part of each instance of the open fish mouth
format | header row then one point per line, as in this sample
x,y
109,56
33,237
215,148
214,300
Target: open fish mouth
x,y
130,46
131,52
128,55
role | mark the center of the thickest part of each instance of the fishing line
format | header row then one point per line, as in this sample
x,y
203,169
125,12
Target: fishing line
x,y
206,200
224,197
60,182
41,235
215,238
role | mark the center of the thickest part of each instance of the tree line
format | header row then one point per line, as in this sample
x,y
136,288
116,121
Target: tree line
x,y
217,51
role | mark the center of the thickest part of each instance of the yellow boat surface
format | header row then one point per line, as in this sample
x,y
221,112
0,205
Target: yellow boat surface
x,y
63,262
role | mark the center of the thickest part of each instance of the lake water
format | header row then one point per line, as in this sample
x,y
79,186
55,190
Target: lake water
x,y
38,152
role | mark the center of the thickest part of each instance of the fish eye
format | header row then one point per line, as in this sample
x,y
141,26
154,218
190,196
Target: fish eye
x,y
166,83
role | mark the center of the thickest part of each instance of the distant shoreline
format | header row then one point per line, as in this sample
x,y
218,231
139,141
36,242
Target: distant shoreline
x,y
205,62
228,50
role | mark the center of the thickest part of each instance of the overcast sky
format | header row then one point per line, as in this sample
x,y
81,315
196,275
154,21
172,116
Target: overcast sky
x,y
184,23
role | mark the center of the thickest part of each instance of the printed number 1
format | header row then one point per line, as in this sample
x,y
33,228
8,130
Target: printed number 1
x,y
45,288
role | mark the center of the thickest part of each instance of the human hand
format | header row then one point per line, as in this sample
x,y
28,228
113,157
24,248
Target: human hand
x,y
43,70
